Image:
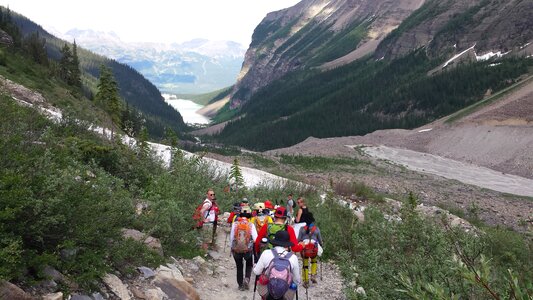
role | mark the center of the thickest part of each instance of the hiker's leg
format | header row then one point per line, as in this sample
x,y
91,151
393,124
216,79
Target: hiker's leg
x,y
238,261
305,269
207,231
249,264
313,265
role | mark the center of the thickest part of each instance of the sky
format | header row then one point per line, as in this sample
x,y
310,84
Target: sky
x,y
165,21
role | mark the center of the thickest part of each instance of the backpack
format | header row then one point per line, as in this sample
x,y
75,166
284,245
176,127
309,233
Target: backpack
x,y
279,274
260,221
242,239
197,216
271,232
293,203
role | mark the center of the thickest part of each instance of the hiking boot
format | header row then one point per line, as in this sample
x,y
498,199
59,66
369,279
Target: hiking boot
x,y
246,283
305,284
313,278
241,287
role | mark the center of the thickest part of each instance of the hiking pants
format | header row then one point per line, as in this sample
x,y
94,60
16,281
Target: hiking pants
x,y
239,257
305,269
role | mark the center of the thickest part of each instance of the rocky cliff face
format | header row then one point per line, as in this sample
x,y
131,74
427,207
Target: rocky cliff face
x,y
312,33
330,33
445,27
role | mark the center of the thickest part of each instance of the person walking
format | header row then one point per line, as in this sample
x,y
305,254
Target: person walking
x,y
311,238
269,231
242,237
303,214
290,208
278,269
209,213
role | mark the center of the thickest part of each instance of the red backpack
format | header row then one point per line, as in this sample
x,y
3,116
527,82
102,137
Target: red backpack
x,y
310,249
199,219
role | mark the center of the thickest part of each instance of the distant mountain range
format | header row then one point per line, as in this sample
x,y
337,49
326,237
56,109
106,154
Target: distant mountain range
x,y
195,66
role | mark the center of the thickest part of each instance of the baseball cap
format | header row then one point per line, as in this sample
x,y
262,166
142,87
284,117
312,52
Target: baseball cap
x,y
281,212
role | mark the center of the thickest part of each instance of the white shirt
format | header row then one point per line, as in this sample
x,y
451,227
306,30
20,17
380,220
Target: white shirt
x,y
232,233
212,215
267,256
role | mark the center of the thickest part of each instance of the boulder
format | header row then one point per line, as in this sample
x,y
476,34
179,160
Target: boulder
x,y
175,289
152,242
117,287
13,292
53,296
80,297
146,272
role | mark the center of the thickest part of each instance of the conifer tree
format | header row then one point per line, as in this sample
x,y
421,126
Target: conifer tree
x,y
64,63
236,178
75,66
108,97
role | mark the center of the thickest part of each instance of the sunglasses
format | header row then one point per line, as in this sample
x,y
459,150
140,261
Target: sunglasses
x,y
211,194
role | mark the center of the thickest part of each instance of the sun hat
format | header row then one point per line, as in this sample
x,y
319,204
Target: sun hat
x,y
268,204
259,206
282,238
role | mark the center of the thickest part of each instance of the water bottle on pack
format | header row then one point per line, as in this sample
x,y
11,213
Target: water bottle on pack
x,y
289,295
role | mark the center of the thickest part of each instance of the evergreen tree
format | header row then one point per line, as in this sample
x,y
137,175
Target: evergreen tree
x,y
75,66
108,97
65,64
236,179
35,46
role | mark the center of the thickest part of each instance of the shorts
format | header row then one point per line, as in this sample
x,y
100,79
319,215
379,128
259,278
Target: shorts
x,y
207,233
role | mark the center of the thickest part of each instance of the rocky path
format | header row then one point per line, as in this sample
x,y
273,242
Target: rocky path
x,y
220,281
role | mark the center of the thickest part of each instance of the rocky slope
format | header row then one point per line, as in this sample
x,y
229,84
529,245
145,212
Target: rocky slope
x,y
329,34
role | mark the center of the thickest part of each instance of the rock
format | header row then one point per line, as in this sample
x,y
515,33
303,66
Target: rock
x,y
48,285
360,216
5,39
137,293
189,280
13,292
98,296
361,291
90,174
169,272
175,289
54,296
214,254
80,297
151,242
67,254
53,274
156,294
146,272
117,287
199,260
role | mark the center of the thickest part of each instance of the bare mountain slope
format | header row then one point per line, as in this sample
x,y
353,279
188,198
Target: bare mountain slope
x,y
498,136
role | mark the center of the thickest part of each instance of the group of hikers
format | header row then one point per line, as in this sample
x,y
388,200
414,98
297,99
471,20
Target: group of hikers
x,y
265,239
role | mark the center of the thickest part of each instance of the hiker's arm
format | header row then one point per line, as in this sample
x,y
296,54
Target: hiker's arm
x,y
254,233
295,269
232,232
319,237
203,211
260,235
298,216
297,247
230,218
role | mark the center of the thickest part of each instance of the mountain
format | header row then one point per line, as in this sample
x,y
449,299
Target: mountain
x,y
195,66
134,88
336,68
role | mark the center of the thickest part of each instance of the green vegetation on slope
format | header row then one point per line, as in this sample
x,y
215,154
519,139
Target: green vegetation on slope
x,y
208,98
363,97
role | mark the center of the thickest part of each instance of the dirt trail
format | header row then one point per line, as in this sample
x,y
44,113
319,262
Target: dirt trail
x,y
222,284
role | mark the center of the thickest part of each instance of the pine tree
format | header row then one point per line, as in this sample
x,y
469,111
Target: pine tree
x,y
236,178
108,97
64,63
75,67
35,46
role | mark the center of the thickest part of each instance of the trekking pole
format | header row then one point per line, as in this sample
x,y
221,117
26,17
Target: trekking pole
x,y
306,294
321,270
226,240
255,286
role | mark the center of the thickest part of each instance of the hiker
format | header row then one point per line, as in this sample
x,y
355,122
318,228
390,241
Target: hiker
x,y
242,237
236,210
278,269
270,207
302,216
209,213
268,231
312,248
260,219
291,205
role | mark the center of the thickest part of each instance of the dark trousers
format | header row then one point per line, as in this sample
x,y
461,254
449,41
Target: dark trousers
x,y
239,257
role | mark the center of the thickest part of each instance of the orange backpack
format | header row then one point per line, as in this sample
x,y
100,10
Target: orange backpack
x,y
242,238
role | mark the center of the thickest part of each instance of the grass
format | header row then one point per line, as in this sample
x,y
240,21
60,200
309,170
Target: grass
x,y
474,107
261,161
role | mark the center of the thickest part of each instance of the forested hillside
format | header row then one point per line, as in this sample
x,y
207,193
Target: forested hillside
x,y
137,91
363,97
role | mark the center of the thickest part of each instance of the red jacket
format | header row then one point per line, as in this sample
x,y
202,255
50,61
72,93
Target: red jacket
x,y
263,233
231,217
